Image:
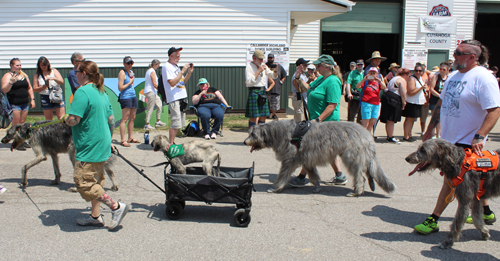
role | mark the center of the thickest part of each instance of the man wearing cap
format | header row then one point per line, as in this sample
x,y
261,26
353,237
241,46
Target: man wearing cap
x,y
256,78
352,67
393,68
174,82
353,94
375,61
275,92
312,73
299,97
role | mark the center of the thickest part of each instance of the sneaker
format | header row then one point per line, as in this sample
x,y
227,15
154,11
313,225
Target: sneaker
x,y
342,180
410,139
2,190
317,187
118,214
275,117
392,140
428,226
298,183
91,221
160,124
148,127
214,135
207,137
488,219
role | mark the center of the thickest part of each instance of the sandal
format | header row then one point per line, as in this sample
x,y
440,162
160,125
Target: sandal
x,y
124,144
134,141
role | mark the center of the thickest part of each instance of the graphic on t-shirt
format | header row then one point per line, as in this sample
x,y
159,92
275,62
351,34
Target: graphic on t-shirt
x,y
181,84
451,102
209,96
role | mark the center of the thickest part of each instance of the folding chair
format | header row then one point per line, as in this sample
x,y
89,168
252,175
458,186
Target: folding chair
x,y
211,122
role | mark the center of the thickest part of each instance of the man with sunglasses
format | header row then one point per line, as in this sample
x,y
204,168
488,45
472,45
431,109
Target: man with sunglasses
x,y
468,108
375,61
76,58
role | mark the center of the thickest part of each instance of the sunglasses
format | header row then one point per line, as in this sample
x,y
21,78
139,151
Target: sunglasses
x,y
443,69
82,60
458,53
418,70
377,60
130,63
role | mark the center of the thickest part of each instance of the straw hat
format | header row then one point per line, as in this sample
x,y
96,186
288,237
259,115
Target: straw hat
x,y
376,55
394,65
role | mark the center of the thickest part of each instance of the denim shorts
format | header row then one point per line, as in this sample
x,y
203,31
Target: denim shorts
x,y
369,111
47,105
22,107
131,103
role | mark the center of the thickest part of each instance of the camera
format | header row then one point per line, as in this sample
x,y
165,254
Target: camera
x,y
370,78
191,65
271,65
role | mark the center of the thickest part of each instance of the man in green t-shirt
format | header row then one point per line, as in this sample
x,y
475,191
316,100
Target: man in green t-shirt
x,y
89,119
353,94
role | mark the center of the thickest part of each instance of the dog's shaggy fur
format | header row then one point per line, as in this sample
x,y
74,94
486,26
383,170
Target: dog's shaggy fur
x,y
194,151
49,140
442,155
320,146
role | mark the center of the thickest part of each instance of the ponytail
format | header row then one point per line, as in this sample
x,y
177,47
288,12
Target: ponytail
x,y
90,68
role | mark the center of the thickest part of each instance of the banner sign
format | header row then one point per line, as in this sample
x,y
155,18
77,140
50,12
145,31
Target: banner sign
x,y
438,24
413,56
281,53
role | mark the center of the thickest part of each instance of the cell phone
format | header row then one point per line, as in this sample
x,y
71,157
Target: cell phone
x,y
370,77
191,65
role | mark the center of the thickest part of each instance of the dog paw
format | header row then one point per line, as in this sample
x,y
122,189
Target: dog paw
x,y
73,189
485,236
273,190
352,194
114,188
447,244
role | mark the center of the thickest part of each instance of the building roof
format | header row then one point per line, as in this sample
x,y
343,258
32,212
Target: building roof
x,y
344,3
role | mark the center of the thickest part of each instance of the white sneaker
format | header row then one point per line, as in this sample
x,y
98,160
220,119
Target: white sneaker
x,y
90,221
118,214
207,137
160,124
214,135
148,127
2,190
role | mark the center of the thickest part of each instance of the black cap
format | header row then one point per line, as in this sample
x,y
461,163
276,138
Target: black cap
x,y
360,61
301,61
270,55
173,50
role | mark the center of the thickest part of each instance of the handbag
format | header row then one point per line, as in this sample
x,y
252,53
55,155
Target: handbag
x,y
56,95
183,104
392,99
261,100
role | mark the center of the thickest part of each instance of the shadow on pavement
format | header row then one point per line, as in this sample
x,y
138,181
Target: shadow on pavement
x,y
399,217
66,219
452,254
41,182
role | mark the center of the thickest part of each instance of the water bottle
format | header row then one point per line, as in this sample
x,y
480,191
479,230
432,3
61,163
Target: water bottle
x,y
146,137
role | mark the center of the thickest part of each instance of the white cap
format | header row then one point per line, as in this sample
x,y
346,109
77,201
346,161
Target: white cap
x,y
311,66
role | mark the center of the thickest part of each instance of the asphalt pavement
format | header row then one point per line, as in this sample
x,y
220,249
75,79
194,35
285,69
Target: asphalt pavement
x,y
38,221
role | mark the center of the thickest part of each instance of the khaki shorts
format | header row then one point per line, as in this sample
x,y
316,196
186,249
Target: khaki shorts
x,y
89,179
177,118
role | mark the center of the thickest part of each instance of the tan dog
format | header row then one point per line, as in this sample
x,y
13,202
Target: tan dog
x,y
194,151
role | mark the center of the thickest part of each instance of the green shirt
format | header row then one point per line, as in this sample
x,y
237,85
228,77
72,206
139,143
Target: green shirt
x,y
353,79
91,135
321,93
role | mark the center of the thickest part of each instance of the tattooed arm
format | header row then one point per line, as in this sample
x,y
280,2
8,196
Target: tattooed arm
x,y
111,124
434,121
72,120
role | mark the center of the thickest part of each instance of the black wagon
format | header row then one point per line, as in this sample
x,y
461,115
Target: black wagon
x,y
233,186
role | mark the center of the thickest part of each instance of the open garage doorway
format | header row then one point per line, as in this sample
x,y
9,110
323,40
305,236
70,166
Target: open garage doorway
x,y
347,47
487,28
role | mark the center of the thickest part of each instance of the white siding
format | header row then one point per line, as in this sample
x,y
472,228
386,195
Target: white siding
x,y
306,42
463,10
212,33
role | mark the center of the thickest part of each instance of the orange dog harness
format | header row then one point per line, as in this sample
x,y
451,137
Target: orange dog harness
x,y
472,161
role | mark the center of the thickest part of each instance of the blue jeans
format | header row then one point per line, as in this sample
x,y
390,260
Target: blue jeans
x,y
207,111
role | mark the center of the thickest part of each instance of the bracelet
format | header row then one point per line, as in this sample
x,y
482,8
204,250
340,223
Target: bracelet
x,y
317,120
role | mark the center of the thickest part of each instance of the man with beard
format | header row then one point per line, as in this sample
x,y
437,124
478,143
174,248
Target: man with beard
x,y
468,108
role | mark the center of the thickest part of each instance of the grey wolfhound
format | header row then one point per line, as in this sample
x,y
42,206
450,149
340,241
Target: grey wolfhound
x,y
194,151
320,146
49,140
442,155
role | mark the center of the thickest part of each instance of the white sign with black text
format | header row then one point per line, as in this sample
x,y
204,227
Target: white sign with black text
x,y
281,53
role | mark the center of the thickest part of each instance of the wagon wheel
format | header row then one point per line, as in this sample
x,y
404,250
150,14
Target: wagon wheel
x,y
174,210
239,219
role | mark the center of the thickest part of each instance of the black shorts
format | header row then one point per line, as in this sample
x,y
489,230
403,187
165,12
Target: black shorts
x,y
412,110
131,103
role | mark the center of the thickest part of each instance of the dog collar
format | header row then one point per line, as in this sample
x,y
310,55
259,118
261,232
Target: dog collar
x,y
174,151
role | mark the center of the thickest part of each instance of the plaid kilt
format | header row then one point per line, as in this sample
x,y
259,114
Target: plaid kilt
x,y
274,101
253,110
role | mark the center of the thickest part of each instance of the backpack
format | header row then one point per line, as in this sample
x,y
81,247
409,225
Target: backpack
x,y
161,90
5,111
192,129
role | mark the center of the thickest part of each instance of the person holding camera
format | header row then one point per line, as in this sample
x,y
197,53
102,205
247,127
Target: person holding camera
x,y
370,97
275,92
353,93
174,82
45,80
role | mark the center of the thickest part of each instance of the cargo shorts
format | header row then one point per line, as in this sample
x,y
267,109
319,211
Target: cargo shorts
x,y
89,179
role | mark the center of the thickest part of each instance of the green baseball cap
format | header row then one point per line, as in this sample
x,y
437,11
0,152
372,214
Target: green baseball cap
x,y
202,81
325,59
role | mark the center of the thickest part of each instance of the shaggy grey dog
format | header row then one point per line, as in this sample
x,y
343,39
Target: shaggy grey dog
x,y
49,140
194,151
319,147
442,155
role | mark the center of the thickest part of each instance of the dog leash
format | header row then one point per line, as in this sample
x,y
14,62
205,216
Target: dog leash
x,y
117,153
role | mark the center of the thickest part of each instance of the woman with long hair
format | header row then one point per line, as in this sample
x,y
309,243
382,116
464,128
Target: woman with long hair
x,y
45,80
128,101
436,86
414,100
151,93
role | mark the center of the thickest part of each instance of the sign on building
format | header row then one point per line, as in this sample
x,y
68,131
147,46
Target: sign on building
x,y
439,25
281,53
413,56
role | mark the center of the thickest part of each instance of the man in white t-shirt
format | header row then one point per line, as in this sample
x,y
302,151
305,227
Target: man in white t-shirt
x,y
175,90
468,108
299,97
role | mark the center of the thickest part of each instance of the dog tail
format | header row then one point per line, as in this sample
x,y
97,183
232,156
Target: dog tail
x,y
375,172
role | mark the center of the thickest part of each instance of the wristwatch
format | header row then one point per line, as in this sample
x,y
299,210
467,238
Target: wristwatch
x,y
317,120
478,137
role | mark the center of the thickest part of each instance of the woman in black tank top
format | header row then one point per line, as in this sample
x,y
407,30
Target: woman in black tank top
x,y
436,87
19,92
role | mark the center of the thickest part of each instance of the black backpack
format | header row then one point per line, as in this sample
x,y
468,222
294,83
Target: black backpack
x,y
192,129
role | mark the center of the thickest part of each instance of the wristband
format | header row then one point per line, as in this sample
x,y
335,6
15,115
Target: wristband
x,y
317,120
64,118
